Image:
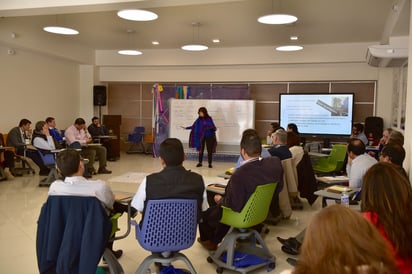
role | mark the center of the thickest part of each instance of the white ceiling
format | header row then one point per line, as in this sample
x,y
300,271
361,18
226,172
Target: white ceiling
x,y
234,22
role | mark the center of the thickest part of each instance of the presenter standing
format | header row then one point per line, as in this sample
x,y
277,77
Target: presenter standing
x,y
203,131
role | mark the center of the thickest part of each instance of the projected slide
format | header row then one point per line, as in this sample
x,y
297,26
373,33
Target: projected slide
x,y
322,114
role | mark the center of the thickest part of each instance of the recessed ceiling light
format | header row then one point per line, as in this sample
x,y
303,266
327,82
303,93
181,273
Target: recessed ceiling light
x,y
137,15
194,47
216,41
129,52
60,30
294,38
155,43
289,48
277,19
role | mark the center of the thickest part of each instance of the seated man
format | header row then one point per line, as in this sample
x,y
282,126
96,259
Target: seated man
x,y
280,148
55,133
19,138
77,136
254,171
71,167
96,129
358,162
357,133
174,181
42,139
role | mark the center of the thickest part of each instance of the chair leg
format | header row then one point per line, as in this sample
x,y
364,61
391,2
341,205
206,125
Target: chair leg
x,y
112,262
149,260
51,177
230,245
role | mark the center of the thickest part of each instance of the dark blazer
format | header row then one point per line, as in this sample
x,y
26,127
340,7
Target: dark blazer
x,y
14,138
72,233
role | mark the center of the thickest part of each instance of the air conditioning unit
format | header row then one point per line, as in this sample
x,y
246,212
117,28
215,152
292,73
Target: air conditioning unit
x,y
386,55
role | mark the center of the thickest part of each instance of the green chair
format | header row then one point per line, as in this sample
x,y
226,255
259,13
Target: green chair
x,y
112,264
332,163
242,239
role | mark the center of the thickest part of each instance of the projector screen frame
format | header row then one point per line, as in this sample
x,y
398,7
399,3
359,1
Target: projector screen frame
x,y
315,97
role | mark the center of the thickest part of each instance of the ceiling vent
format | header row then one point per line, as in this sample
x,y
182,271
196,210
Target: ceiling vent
x,y
386,55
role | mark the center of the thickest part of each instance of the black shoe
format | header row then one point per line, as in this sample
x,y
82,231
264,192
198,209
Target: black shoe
x,y
289,250
199,165
104,171
210,166
290,246
282,241
117,253
291,242
133,212
44,172
292,261
91,171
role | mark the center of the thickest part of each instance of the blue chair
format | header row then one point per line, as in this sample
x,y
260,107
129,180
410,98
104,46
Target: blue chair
x,y
168,226
49,161
136,140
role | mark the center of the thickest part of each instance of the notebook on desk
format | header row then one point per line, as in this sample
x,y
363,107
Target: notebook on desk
x,y
338,189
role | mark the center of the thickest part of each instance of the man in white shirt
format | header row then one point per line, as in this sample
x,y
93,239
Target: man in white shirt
x,y
71,167
77,136
358,162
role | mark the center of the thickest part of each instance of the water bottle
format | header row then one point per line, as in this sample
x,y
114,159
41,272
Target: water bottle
x,y
344,198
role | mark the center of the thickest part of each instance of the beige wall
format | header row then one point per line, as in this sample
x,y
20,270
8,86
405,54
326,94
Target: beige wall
x,y
34,86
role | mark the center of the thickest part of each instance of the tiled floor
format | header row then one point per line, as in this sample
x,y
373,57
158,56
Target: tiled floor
x,y
21,200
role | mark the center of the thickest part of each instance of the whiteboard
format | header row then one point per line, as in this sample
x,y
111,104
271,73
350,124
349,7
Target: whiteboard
x,y
231,118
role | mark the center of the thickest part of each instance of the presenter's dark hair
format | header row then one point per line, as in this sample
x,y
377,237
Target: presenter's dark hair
x,y
24,122
204,110
68,162
79,121
293,127
171,151
251,143
356,146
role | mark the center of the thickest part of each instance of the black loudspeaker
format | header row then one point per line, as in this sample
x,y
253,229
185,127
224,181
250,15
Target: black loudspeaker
x,y
99,95
374,125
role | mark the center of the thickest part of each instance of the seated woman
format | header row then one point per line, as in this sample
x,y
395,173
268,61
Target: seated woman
x,y
339,240
386,203
41,137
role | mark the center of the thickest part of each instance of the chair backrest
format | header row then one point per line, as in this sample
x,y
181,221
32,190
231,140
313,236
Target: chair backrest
x,y
168,225
47,158
337,154
290,174
5,136
312,147
139,130
254,211
2,140
72,234
137,135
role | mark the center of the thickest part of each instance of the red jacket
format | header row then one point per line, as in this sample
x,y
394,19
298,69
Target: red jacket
x,y
404,264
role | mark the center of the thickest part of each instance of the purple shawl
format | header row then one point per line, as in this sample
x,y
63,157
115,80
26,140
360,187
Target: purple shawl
x,y
198,130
